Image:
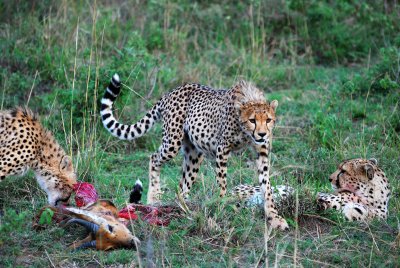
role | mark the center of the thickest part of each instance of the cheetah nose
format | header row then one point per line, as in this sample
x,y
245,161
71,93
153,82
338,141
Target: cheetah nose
x,y
262,134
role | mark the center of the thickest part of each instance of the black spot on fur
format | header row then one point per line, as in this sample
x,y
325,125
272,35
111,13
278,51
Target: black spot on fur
x,y
105,116
104,106
108,95
109,125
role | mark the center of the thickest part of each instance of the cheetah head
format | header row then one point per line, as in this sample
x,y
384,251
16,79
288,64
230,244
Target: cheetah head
x,y
58,181
256,115
359,176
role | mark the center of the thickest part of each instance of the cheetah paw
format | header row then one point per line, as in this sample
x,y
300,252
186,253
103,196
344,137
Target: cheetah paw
x,y
154,198
322,196
279,223
323,200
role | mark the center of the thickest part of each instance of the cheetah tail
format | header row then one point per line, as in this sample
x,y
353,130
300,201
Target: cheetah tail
x,y
121,131
136,193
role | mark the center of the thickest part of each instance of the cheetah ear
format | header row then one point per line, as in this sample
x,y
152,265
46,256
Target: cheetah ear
x,y
369,171
240,84
274,104
66,164
373,160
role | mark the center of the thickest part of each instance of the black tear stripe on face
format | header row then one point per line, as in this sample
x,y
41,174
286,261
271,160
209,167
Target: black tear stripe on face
x,y
337,179
255,127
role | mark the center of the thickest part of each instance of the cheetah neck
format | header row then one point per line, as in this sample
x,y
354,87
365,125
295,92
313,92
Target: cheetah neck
x,y
50,153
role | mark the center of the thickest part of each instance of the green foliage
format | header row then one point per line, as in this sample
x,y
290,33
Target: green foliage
x,y
46,216
12,222
328,129
343,31
383,76
386,73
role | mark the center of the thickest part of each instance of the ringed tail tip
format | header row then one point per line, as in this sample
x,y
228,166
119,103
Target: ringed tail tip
x,y
115,78
138,182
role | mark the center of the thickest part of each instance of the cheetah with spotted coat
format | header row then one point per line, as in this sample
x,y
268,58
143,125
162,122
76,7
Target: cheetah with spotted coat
x,y
204,122
361,190
26,144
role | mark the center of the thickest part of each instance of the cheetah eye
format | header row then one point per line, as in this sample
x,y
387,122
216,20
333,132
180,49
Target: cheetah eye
x,y
340,173
253,121
269,120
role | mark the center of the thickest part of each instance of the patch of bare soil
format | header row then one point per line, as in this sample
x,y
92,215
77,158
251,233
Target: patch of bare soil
x,y
26,258
14,66
314,225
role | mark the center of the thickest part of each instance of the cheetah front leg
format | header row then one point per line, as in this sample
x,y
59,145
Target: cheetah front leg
x,y
191,164
165,153
272,216
349,204
221,168
329,201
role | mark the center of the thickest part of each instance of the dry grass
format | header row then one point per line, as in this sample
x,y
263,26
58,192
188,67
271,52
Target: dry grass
x,y
58,57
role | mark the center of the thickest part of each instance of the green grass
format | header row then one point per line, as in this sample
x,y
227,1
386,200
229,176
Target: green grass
x,y
333,67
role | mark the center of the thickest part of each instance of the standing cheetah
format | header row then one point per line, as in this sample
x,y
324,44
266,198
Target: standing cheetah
x,y
24,144
204,122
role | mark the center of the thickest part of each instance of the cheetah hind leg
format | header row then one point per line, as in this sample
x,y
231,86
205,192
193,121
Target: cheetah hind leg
x,y
156,160
166,152
191,164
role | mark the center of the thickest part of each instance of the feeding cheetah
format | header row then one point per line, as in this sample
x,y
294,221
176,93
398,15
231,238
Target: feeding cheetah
x,y
204,122
361,190
26,144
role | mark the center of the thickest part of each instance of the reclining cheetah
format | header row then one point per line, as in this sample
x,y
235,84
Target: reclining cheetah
x,y
204,122
361,190
24,144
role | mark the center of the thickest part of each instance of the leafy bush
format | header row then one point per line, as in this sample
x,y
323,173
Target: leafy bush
x,y
328,129
344,31
383,77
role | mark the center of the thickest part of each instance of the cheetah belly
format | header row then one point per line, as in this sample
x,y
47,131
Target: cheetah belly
x,y
204,142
